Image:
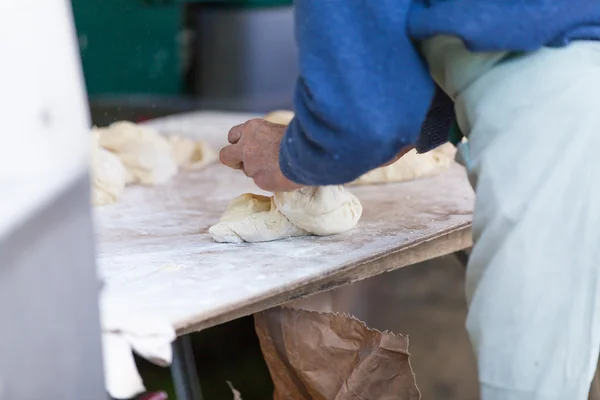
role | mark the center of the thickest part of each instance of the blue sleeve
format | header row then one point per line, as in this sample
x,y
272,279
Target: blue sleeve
x,y
362,94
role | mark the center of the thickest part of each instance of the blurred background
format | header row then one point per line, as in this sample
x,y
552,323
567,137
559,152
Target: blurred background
x,y
149,58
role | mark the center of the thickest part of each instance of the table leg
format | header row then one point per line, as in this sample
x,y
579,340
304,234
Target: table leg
x,y
183,370
463,257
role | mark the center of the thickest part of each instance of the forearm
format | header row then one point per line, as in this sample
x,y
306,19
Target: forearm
x,y
362,95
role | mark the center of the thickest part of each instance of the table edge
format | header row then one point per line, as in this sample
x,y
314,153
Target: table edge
x,y
436,245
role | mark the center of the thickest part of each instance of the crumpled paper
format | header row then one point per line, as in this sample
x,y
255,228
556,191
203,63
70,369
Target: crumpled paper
x,y
331,356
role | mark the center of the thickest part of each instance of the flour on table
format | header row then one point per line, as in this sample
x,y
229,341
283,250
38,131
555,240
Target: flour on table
x,y
146,154
322,211
411,166
108,174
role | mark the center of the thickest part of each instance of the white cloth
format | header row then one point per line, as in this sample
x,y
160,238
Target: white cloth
x,y
533,278
125,330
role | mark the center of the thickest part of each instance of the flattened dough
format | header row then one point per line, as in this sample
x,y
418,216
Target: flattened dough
x,y
321,211
108,174
411,166
146,154
189,153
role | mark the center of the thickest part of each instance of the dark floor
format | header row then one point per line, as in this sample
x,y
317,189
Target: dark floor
x,y
424,301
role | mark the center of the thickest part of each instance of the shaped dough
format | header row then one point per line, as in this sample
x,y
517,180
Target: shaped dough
x,y
146,154
321,211
411,166
108,174
189,153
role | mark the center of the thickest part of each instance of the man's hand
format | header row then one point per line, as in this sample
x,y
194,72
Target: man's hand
x,y
254,149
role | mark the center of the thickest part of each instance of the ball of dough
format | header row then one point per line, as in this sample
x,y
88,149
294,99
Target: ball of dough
x,y
108,174
411,166
146,154
283,117
189,153
320,211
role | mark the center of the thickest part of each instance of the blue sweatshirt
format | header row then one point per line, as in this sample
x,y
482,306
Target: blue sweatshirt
x,y
364,91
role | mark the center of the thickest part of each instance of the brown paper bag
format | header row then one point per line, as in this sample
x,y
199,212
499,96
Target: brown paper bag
x,y
327,356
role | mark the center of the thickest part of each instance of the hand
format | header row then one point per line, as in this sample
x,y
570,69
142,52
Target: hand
x,y
254,149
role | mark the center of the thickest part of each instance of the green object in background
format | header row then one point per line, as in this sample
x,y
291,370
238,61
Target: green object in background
x,y
130,47
136,47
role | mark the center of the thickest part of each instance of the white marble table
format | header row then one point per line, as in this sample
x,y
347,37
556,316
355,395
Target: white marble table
x,y
154,251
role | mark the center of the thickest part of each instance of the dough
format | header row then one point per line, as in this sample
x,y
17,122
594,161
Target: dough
x,y
189,153
411,166
146,154
253,218
125,153
283,117
321,211
108,174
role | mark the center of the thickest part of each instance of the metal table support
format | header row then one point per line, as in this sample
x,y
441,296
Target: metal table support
x,y
463,257
183,370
